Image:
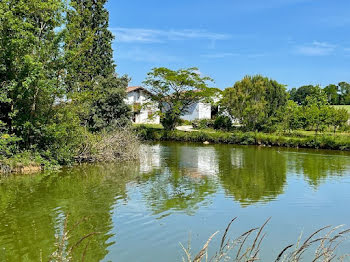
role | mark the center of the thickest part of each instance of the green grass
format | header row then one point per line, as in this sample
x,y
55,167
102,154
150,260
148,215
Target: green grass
x,y
347,107
155,126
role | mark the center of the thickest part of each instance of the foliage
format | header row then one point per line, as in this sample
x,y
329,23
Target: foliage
x,y
337,94
88,44
57,80
108,109
176,91
8,145
223,123
30,65
338,117
255,102
324,141
203,123
292,117
332,94
299,95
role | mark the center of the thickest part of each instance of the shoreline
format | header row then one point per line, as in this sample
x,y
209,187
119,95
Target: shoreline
x,y
320,141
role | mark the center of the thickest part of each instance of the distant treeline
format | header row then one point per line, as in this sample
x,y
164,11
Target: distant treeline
x,y
336,94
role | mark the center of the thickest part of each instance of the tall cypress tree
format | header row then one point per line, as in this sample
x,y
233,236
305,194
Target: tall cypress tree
x,y
88,45
90,68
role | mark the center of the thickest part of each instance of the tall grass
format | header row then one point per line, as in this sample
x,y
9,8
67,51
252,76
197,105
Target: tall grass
x,y
247,246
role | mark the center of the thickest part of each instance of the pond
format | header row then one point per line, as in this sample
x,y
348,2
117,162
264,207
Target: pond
x,y
143,211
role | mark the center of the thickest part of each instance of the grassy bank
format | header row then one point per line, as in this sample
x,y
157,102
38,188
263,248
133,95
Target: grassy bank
x,y
296,140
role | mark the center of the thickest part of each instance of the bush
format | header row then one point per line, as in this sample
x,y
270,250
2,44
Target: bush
x,y
203,123
223,123
8,145
118,145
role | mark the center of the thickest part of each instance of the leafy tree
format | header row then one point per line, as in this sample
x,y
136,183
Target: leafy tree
x,y
292,116
108,109
255,102
344,93
338,118
317,111
175,91
332,94
30,65
299,95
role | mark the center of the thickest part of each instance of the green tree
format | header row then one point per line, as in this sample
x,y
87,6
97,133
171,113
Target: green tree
x,y
88,44
255,102
338,118
292,116
30,65
108,109
299,95
344,88
91,80
332,94
176,91
317,111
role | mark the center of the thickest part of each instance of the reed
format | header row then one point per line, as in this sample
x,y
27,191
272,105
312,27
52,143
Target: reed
x,y
247,246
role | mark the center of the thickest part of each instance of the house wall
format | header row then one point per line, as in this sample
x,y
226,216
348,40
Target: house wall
x,y
204,111
192,113
198,111
146,114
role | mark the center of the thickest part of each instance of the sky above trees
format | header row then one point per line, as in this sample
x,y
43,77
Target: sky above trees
x,y
296,42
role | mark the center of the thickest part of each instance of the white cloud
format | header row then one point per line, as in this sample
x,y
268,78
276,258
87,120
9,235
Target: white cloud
x,y
316,49
142,35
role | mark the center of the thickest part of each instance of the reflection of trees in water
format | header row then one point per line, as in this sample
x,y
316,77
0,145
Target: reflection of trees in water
x,y
317,166
33,208
252,174
173,176
182,182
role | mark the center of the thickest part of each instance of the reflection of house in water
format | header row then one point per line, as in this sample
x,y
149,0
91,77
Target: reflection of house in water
x,y
237,157
149,158
199,161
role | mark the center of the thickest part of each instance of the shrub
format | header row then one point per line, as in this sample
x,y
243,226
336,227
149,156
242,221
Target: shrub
x,y
223,123
118,145
203,123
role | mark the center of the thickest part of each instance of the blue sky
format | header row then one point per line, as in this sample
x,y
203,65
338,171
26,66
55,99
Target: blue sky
x,y
296,42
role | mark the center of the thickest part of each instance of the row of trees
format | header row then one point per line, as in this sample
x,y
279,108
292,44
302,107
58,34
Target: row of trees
x,y
336,94
57,76
262,104
256,102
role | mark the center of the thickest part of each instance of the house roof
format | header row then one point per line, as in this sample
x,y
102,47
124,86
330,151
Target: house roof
x,y
135,88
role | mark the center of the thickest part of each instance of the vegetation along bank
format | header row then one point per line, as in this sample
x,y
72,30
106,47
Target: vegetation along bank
x,y
296,140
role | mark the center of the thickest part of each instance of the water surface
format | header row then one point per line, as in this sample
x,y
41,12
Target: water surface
x,y
141,211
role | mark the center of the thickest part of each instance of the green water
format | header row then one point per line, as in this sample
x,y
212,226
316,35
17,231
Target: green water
x,y
142,211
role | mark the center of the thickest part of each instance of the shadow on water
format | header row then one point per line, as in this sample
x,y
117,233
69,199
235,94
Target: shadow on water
x,y
170,178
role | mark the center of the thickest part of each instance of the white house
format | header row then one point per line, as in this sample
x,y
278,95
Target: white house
x,y
198,110
144,111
